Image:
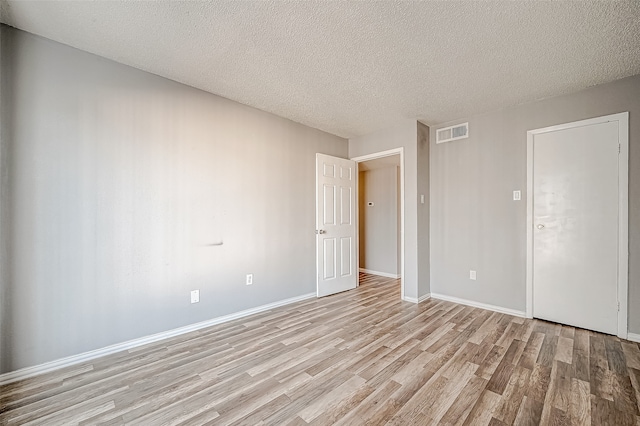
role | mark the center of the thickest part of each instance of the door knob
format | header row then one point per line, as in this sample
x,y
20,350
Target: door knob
x,y
541,226
321,231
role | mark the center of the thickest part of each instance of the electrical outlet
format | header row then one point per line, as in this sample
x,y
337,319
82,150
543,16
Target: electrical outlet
x,y
472,275
249,279
195,296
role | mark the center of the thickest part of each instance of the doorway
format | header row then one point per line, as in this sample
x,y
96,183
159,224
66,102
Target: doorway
x,y
577,225
381,214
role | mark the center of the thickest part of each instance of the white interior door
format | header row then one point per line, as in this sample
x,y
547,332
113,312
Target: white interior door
x,y
335,224
575,226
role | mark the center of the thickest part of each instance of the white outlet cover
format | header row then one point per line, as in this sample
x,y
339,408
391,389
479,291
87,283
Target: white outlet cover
x,y
472,275
195,296
249,279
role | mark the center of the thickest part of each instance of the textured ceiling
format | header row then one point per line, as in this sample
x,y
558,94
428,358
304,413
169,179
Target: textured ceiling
x,y
351,68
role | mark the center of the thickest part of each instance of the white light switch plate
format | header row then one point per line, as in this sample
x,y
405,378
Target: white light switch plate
x,y
517,195
195,296
472,275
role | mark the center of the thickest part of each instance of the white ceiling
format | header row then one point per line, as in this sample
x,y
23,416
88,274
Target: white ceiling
x,y
351,68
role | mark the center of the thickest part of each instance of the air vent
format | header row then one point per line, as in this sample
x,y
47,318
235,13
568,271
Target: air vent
x,y
453,133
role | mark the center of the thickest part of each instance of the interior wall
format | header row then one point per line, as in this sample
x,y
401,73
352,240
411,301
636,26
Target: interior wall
x,y
4,206
423,211
474,221
404,135
399,220
378,238
120,186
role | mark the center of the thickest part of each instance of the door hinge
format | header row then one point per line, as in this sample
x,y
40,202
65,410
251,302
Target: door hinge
x,y
618,306
619,149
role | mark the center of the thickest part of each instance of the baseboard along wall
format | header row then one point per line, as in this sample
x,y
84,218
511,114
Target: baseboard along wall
x,y
475,304
25,373
381,274
417,300
47,367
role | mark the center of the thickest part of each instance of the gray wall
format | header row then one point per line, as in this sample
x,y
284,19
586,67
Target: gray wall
x,y
4,208
379,230
117,182
404,135
424,269
474,222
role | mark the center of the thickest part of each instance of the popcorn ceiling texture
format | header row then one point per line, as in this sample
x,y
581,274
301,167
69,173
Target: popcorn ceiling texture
x,y
351,68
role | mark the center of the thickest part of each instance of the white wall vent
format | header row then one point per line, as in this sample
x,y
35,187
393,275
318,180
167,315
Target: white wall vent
x,y
453,133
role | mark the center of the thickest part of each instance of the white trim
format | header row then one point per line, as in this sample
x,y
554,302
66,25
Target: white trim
x,y
47,367
376,155
424,297
486,306
382,274
418,300
623,211
633,337
381,154
529,255
623,224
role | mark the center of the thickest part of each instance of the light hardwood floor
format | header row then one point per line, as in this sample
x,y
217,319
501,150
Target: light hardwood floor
x,y
360,357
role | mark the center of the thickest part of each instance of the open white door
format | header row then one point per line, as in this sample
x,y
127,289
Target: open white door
x,y
335,225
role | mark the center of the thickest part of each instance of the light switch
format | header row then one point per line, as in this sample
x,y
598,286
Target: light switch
x,y
517,196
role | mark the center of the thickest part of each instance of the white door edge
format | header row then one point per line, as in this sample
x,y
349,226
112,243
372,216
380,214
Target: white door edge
x,y
375,156
623,212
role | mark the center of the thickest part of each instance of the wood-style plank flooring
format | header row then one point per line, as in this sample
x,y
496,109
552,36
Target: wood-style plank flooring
x,y
360,357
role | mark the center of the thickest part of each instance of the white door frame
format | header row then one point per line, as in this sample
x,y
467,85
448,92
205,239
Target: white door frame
x,y
374,156
623,211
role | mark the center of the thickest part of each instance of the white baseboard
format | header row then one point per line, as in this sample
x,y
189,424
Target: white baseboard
x,y
419,299
633,337
27,372
382,274
488,307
